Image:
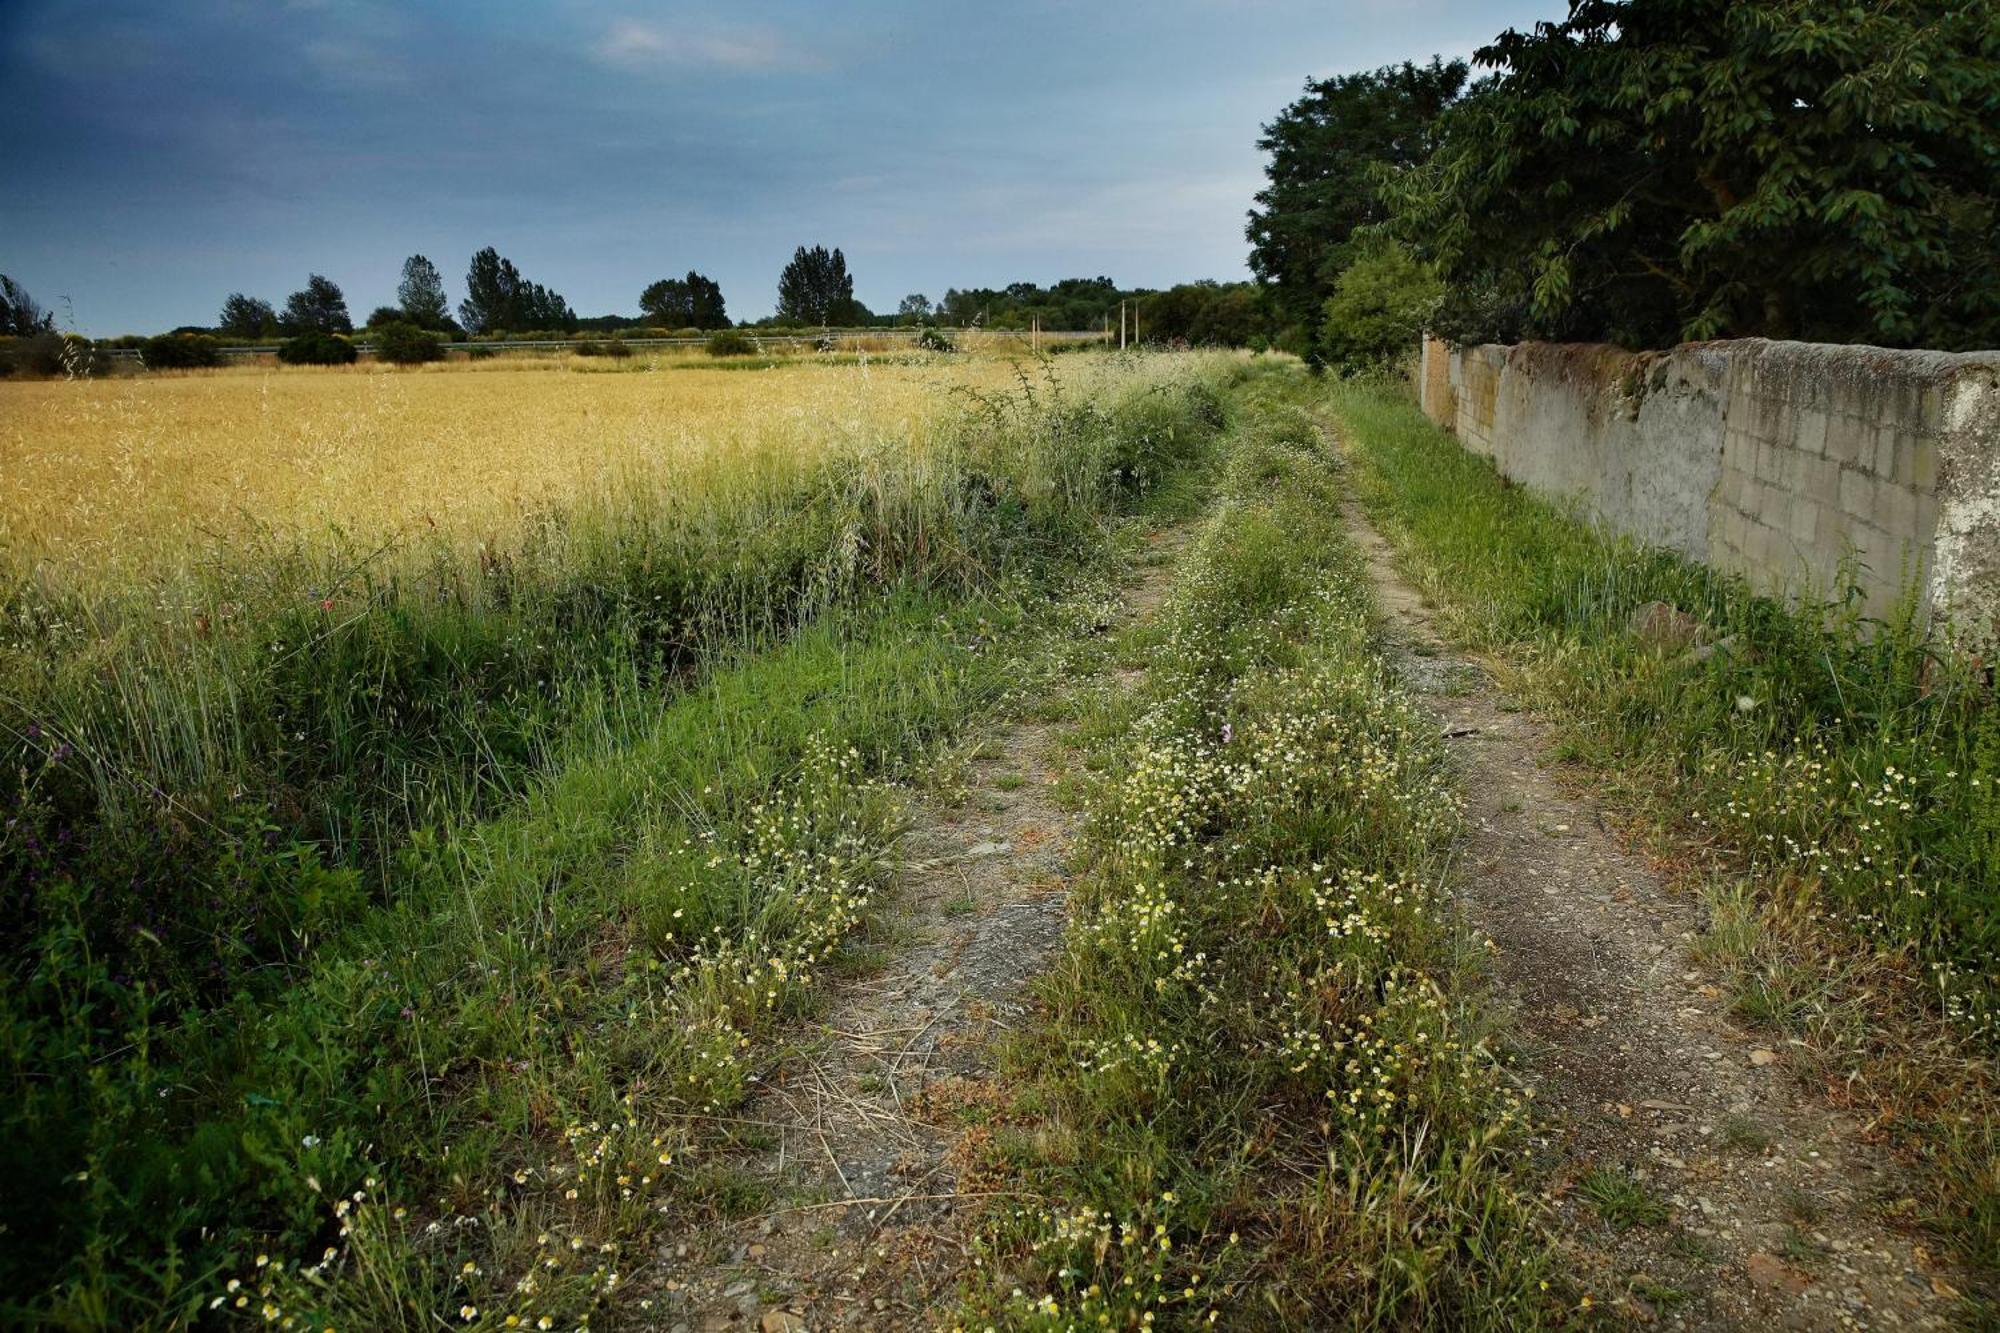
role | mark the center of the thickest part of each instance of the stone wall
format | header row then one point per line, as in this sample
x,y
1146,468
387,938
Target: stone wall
x,y
1795,464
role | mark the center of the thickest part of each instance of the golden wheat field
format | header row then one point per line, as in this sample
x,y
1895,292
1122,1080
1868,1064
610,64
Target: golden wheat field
x,y
108,478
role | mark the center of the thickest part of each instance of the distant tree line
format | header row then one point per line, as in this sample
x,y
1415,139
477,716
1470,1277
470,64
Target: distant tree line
x,y
1648,171
314,325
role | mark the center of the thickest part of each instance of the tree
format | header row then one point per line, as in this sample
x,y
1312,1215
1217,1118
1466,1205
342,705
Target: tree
x,y
319,308
1651,170
915,307
421,294
1380,306
20,314
1205,314
815,287
668,304
247,317
693,302
499,300
1332,151
706,297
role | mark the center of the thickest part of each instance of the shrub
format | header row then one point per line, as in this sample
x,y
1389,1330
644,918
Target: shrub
x,y
181,351
51,354
404,344
1378,309
589,347
731,342
935,340
317,349
617,349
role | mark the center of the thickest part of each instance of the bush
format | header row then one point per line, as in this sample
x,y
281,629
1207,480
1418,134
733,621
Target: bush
x,y
935,340
51,354
404,344
1378,309
317,349
731,342
181,351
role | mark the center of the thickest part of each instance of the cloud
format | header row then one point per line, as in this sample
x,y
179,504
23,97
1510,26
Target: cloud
x,y
632,44
352,64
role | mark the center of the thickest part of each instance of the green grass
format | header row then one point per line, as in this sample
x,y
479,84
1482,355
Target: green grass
x,y
1262,1096
1825,747
404,955
1621,1200
1838,774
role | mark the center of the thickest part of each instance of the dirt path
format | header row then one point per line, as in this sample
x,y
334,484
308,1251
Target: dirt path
x,y
872,1139
1744,1202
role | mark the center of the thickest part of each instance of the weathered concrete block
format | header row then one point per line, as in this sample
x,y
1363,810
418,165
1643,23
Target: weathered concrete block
x,y
1849,441
1775,459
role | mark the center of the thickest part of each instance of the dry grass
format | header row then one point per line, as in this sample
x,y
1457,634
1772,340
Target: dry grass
x,y
110,477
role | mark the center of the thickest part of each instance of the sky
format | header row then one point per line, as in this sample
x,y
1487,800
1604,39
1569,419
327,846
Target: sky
x,y
156,157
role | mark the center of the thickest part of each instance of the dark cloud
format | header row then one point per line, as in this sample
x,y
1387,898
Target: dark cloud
x,y
158,157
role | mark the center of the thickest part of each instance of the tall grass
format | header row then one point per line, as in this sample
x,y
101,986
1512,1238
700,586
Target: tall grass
x,y
1263,1096
1839,770
1857,757
443,880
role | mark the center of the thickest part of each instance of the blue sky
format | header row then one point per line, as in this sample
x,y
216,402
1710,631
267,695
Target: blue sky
x,y
158,156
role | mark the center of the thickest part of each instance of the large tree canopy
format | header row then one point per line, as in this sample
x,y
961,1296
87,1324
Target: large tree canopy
x,y
319,308
693,302
1331,151
247,317
21,314
421,296
499,300
816,288
1652,170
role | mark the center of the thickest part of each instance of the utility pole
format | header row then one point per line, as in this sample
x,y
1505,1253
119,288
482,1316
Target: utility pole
x,y
1121,326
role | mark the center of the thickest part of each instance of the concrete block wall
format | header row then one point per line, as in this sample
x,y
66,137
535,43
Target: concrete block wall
x,y
1797,465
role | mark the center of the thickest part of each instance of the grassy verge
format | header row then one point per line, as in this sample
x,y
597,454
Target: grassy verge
x,y
1831,778
1261,1096
455,1069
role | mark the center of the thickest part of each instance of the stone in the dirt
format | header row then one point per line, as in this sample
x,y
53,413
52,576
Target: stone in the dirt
x,y
1767,1270
1726,647
1761,1057
781,1321
1664,628
988,849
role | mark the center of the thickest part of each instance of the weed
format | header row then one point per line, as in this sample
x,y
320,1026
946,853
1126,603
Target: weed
x,y
410,920
1621,1200
1838,770
1743,1133
1267,1099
